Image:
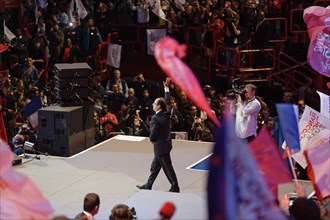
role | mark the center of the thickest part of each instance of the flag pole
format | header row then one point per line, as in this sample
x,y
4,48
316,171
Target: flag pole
x,y
291,165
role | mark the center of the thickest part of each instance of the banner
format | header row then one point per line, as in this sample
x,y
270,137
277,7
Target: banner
x,y
318,160
7,32
153,36
314,130
114,55
325,104
236,190
81,9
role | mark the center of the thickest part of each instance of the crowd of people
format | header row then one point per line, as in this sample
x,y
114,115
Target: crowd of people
x,y
126,105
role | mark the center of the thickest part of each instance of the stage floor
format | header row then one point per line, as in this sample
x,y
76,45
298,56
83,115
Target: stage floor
x,y
113,169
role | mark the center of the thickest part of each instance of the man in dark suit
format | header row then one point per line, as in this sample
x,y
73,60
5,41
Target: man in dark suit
x,y
160,136
91,207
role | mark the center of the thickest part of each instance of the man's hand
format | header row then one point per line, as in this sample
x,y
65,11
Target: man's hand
x,y
167,82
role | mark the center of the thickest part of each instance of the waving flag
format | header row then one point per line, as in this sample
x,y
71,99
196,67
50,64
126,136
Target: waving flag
x,y
236,190
114,55
317,19
153,36
318,160
288,116
81,9
314,131
7,32
325,104
168,53
30,111
270,161
43,4
157,9
20,198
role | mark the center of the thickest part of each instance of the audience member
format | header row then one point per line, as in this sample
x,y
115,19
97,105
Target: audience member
x,y
91,206
122,212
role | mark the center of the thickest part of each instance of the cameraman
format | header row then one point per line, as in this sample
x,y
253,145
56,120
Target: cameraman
x,y
246,113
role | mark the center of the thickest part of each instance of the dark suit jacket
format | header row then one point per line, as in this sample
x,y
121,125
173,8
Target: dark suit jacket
x,y
160,133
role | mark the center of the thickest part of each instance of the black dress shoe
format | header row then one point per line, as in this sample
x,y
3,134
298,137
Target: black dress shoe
x,y
143,187
175,189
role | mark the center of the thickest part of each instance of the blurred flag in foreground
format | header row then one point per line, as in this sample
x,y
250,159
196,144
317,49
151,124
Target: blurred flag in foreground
x,y
288,116
20,198
30,111
318,160
270,162
236,189
168,53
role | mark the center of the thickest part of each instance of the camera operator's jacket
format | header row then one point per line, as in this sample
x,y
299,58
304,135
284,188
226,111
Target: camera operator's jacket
x,y
246,118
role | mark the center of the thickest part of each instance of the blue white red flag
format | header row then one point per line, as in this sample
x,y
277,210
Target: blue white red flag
x,y
30,111
236,190
288,116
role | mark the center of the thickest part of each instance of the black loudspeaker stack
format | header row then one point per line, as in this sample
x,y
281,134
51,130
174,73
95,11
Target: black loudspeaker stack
x,y
72,83
68,128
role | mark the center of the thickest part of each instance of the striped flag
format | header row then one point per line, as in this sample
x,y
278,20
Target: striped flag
x,y
30,111
20,197
318,160
168,53
8,34
236,190
288,116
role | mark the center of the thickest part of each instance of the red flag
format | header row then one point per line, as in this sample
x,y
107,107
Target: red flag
x,y
168,53
20,198
318,160
269,159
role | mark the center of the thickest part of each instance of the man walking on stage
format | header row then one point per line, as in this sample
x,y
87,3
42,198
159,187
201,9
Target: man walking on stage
x,y
160,136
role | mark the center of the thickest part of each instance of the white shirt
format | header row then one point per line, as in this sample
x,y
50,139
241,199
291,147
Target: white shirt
x,y
246,118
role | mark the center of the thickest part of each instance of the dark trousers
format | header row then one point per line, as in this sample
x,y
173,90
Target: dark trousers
x,y
163,161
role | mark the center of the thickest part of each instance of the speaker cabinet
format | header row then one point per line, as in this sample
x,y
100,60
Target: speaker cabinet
x,y
62,130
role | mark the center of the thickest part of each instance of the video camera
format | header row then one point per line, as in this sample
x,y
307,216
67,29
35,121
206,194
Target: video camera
x,y
237,89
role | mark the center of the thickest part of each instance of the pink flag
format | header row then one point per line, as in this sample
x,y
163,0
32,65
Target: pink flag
x,y
318,160
168,53
20,198
317,19
269,160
